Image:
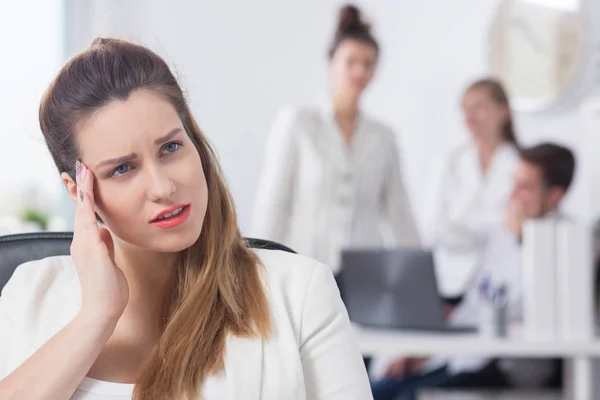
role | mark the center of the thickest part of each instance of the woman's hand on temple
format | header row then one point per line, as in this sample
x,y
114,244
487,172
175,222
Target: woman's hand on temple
x,y
104,289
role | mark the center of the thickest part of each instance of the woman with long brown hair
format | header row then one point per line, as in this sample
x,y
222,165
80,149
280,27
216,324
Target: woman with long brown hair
x,y
164,300
470,194
469,202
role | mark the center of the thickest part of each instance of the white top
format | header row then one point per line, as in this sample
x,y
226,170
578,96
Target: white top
x,y
93,389
312,354
215,388
465,206
320,195
501,265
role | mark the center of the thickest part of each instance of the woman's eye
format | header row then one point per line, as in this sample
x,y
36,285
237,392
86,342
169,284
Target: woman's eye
x,y
171,147
120,170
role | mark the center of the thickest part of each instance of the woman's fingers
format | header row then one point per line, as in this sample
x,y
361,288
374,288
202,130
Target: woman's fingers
x,y
86,227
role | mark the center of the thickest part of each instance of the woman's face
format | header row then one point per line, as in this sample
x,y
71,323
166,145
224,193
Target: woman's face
x,y
483,116
352,67
144,164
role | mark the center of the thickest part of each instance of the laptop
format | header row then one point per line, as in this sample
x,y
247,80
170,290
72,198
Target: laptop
x,y
394,289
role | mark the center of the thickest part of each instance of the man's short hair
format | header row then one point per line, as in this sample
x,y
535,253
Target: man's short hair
x,y
556,162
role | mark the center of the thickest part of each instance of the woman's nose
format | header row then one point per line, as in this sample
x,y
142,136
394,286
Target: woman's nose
x,y
160,185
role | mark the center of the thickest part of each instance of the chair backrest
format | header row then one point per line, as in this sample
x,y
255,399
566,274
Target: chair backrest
x,y
18,249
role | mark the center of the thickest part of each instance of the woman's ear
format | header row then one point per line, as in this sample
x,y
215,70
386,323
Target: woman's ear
x,y
70,185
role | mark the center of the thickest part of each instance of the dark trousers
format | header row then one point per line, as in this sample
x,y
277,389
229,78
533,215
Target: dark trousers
x,y
488,377
406,389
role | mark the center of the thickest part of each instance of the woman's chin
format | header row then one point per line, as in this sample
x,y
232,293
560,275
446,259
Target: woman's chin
x,y
173,243
166,240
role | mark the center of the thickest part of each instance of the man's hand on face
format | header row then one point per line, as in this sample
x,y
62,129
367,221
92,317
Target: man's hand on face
x,y
515,216
403,367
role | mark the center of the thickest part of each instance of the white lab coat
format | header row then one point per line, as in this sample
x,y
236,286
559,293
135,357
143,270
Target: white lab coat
x,y
319,195
465,206
501,265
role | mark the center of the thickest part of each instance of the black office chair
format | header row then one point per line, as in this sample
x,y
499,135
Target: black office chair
x,y
18,249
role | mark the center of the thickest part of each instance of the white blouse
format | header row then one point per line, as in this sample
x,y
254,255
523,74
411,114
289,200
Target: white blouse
x,y
466,206
318,194
215,388
93,389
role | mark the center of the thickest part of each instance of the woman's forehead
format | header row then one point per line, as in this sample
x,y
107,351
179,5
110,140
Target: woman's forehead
x,y
123,124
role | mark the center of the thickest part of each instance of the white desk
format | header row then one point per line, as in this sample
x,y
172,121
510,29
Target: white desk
x,y
385,342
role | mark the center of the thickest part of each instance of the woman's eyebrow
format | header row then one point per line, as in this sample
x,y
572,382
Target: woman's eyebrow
x,y
118,160
168,136
129,157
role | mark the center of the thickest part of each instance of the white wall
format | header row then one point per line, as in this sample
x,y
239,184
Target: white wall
x,y
32,50
240,61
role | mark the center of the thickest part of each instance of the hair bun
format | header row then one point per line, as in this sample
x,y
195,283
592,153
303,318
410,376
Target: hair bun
x,y
105,41
350,20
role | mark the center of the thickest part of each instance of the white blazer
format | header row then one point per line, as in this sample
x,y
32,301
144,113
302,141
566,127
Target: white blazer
x,y
319,195
465,207
312,354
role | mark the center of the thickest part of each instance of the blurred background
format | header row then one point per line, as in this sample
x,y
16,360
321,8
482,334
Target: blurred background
x,y
240,61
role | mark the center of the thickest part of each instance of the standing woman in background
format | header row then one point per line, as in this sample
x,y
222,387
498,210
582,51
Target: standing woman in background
x,y
332,174
471,194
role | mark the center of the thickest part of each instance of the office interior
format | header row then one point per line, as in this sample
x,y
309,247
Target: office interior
x,y
240,62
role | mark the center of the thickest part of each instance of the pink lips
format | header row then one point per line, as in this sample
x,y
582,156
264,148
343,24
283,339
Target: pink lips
x,y
174,220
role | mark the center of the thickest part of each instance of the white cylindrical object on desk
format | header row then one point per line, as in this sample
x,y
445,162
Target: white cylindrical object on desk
x,y
575,281
539,279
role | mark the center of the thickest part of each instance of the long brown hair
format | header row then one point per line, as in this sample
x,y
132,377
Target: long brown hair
x,y
500,97
217,288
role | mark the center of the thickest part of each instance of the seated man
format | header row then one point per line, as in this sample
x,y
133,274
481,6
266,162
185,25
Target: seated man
x,y
542,178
